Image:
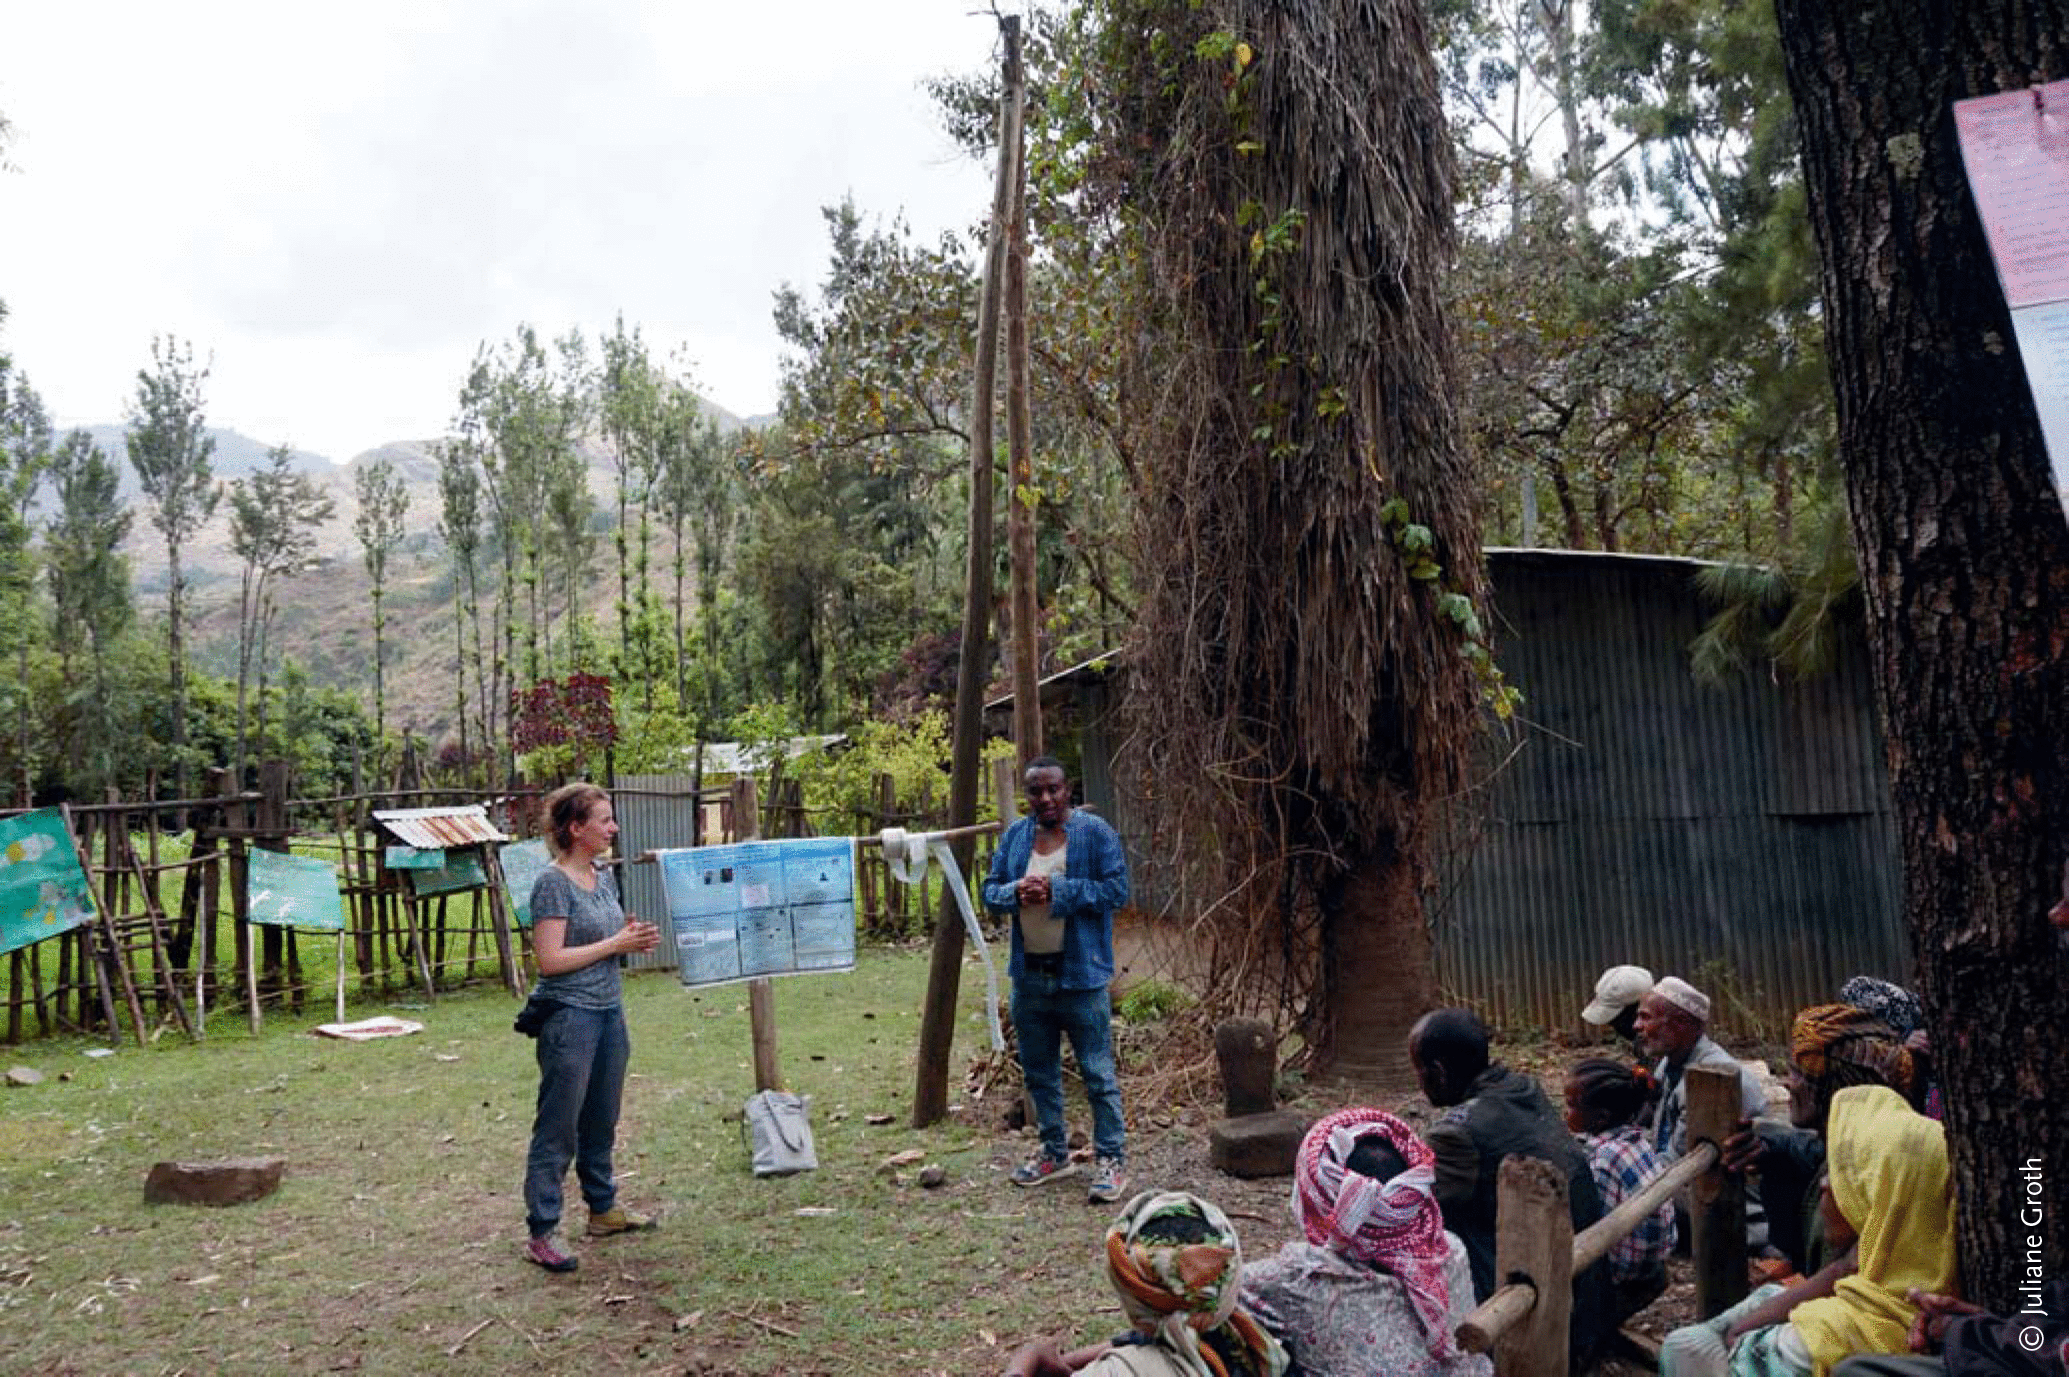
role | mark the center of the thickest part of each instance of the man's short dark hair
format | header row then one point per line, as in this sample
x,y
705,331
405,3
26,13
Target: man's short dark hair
x,y
1045,762
1456,1040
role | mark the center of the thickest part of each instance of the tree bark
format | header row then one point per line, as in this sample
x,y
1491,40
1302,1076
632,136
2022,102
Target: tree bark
x,y
1021,501
1965,566
1380,969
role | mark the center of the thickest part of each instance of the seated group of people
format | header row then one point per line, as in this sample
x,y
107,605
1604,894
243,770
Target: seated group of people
x,y
1400,1230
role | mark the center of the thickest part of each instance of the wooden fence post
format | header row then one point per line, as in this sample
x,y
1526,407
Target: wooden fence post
x,y
1533,1242
761,999
1716,1199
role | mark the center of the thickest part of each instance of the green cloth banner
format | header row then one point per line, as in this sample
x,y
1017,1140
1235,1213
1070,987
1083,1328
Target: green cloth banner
x,y
293,892
43,892
410,858
523,863
462,870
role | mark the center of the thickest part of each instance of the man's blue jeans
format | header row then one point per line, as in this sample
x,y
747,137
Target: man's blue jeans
x,y
1042,1014
582,1057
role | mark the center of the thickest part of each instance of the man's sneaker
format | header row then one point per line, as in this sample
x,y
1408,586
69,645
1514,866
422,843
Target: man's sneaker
x,y
1041,1169
547,1254
1109,1180
618,1220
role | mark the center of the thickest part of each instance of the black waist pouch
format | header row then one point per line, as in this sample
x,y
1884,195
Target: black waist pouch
x,y
532,1017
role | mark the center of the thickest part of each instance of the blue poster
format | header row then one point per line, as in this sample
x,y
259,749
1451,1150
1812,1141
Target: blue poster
x,y
293,892
43,892
756,909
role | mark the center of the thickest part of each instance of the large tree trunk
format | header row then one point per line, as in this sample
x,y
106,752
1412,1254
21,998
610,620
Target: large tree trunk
x,y
1965,564
1379,970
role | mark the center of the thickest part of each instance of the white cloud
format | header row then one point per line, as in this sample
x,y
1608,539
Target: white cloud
x,y
338,205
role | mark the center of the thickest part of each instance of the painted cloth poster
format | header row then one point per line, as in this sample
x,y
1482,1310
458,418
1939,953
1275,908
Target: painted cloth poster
x,y
756,909
523,863
293,892
43,892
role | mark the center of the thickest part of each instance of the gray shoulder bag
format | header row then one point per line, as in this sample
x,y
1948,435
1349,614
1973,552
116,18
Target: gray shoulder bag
x,y
779,1135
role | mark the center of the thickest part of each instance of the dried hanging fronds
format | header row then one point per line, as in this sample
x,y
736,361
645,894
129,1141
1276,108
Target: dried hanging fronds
x,y
1308,638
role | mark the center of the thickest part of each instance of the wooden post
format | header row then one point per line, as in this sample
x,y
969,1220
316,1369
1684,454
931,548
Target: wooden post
x,y
761,1000
1533,1242
341,975
945,971
1020,495
1716,1199
500,922
111,957
251,971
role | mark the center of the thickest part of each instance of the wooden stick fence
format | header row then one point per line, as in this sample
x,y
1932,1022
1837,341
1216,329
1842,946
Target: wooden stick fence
x,y
1525,1322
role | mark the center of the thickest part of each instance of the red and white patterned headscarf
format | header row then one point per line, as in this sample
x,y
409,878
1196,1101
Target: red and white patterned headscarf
x,y
1394,1226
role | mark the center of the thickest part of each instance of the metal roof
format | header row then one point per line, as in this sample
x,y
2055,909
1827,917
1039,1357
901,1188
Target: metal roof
x,y
434,829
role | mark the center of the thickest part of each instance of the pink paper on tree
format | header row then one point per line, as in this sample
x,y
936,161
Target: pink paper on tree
x,y
2016,147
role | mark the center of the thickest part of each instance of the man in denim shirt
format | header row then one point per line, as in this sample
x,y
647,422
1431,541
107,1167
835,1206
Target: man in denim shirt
x,y
1060,874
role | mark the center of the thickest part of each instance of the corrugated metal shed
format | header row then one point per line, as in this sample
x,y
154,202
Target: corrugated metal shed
x,y
1739,835
433,829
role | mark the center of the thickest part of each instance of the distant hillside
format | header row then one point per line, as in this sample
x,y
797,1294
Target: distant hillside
x,y
236,455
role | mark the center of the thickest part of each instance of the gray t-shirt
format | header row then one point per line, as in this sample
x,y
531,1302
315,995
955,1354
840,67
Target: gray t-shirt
x,y
592,915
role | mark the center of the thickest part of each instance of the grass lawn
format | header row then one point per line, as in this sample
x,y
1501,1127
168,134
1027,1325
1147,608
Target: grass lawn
x,y
394,1244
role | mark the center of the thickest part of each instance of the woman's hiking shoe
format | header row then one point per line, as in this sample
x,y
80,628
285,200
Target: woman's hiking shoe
x,y
1109,1180
547,1254
618,1220
1041,1169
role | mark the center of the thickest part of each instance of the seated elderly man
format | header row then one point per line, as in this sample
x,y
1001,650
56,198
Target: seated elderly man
x,y
1491,1113
1672,1025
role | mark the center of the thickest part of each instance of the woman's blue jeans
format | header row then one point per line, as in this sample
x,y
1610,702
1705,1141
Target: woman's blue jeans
x,y
1043,1013
582,1057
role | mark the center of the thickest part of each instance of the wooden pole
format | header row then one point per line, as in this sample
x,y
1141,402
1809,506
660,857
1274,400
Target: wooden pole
x,y
761,1000
251,971
500,922
341,975
944,974
1021,499
1716,1199
1533,1241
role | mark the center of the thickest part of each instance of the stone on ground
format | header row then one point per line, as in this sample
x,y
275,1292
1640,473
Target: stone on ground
x,y
1254,1145
236,1181
1248,1050
24,1075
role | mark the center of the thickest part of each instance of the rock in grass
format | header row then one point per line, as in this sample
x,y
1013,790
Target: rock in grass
x,y
1257,1145
236,1181
933,1175
24,1075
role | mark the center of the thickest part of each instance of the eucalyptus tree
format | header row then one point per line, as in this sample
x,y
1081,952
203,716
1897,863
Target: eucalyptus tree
x,y
460,526
630,409
25,442
569,504
274,515
89,584
383,503
700,493
173,456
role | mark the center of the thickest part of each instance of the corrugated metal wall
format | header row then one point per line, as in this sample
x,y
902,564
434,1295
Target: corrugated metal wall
x,y
650,823
1737,835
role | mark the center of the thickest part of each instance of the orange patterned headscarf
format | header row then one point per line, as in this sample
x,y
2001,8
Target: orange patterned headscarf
x,y
1839,1045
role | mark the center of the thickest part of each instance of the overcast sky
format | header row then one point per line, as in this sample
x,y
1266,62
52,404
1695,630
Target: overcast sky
x,y
340,202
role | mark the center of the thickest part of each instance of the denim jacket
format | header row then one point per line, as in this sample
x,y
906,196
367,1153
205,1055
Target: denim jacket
x,y
1093,884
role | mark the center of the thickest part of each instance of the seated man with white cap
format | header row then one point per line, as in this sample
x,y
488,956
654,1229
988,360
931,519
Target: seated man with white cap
x,y
1617,996
1671,1026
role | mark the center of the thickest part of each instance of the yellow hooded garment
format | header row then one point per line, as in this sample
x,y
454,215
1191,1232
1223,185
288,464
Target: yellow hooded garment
x,y
1889,1174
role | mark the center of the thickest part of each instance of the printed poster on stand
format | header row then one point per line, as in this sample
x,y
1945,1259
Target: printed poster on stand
x,y
754,909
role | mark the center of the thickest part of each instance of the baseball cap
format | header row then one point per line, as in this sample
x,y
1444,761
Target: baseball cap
x,y
1619,988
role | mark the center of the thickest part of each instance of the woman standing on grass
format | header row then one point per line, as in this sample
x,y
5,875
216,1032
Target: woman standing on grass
x,y
579,934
